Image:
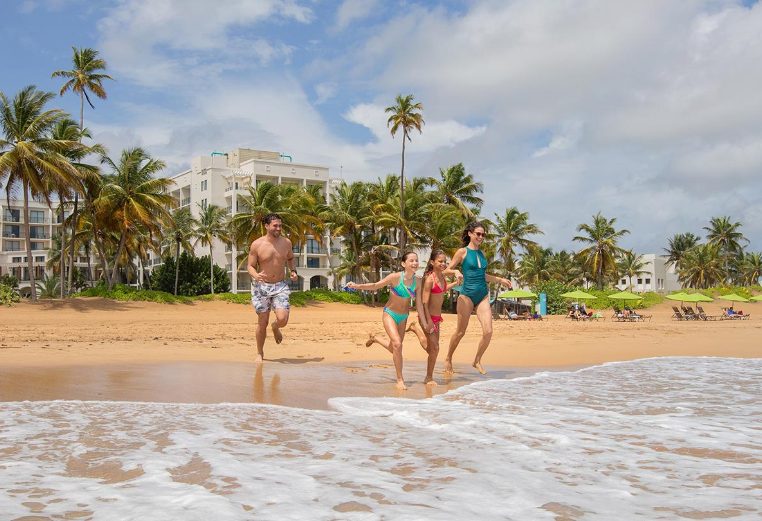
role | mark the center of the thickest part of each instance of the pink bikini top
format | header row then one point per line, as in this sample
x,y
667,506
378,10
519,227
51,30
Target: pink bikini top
x,y
436,288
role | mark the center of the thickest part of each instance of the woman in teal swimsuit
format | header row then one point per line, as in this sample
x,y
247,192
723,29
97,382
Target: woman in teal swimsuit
x,y
475,293
397,309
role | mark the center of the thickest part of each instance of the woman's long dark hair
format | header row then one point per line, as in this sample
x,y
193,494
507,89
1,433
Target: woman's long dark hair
x,y
430,263
473,225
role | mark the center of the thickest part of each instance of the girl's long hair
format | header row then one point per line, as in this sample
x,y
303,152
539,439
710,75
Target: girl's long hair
x,y
470,227
430,263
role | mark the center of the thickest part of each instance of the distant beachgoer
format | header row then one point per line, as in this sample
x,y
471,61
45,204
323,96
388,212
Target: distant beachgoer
x,y
429,305
396,311
475,294
270,254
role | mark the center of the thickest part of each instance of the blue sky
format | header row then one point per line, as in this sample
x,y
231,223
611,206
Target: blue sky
x,y
647,111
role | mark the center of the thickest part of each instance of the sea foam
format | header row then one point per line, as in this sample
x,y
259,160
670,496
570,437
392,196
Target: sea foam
x,y
662,438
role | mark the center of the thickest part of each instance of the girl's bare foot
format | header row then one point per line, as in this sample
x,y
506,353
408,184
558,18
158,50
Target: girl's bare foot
x,y
448,367
371,340
429,381
258,359
401,385
478,367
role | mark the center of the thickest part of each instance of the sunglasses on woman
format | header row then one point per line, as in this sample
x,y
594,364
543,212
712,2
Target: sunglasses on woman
x,y
480,234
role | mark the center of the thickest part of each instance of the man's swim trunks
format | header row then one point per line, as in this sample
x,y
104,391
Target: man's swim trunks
x,y
265,297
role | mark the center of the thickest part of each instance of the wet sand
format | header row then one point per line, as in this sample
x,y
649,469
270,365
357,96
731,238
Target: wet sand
x,y
95,349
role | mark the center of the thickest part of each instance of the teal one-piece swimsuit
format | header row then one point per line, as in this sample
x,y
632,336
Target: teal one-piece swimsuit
x,y
475,276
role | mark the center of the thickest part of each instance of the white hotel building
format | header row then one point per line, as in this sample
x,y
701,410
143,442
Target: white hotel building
x,y
223,178
657,276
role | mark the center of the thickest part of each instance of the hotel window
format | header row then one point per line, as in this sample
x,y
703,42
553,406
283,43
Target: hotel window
x,y
623,282
36,216
16,260
313,246
296,247
204,184
640,281
40,258
203,204
313,262
648,281
13,216
13,246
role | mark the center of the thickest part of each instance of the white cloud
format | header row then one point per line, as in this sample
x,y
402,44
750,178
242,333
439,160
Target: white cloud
x,y
353,10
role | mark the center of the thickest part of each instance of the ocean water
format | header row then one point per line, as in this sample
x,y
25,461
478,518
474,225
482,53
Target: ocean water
x,y
668,438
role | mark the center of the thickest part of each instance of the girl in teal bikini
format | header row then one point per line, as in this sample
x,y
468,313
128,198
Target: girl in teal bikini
x,y
475,293
397,309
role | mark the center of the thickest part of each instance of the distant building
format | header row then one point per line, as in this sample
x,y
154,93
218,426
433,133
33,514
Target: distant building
x,y
223,178
44,224
657,276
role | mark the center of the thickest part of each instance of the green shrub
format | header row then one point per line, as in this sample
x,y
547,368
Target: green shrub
x,y
8,295
126,293
193,277
556,304
9,280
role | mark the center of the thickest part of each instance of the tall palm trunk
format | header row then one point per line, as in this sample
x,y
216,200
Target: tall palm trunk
x,y
177,265
211,267
403,234
119,250
101,255
62,255
28,241
88,251
74,219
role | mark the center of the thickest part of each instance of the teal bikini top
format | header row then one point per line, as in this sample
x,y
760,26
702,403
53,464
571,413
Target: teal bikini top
x,y
403,291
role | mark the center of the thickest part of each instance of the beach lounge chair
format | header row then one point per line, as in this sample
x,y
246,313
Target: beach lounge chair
x,y
703,316
677,314
690,314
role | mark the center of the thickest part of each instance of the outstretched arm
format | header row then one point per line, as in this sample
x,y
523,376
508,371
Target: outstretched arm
x,y
454,263
499,280
373,286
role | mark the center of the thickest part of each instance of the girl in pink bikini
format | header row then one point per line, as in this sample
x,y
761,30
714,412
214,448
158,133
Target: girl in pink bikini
x,y
432,293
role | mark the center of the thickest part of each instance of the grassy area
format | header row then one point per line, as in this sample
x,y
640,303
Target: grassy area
x,y
298,298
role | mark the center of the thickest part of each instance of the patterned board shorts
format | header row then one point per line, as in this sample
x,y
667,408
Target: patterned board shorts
x,y
265,297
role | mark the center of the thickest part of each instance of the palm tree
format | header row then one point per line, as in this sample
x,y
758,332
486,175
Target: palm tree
x,y
211,224
631,265
133,197
535,265
702,267
30,156
48,286
177,234
346,215
751,268
457,188
679,244
601,254
83,78
512,230
564,268
404,114
728,237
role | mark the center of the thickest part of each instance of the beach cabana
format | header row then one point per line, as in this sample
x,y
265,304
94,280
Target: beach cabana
x,y
626,296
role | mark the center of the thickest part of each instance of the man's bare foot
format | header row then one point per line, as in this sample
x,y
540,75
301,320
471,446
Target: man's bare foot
x,y
259,359
276,333
478,367
448,367
429,381
371,340
401,385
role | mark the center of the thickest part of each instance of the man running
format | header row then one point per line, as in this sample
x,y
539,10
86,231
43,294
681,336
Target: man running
x,y
271,253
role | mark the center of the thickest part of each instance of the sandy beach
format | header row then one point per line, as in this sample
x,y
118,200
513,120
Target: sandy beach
x,y
95,349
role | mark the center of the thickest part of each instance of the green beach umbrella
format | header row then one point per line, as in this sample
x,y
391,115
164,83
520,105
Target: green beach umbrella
x,y
733,298
578,295
517,293
624,295
756,298
689,297
682,296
